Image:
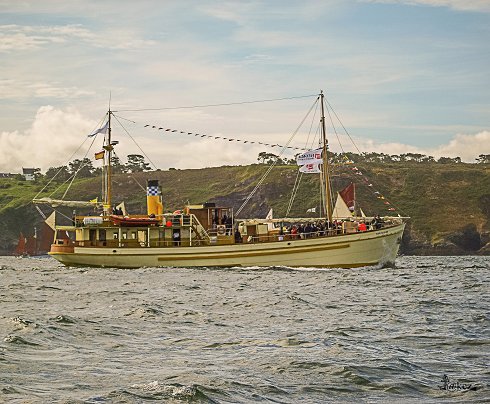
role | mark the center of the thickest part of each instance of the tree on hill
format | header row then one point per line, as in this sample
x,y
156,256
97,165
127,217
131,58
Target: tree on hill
x,y
136,163
483,159
60,172
270,158
449,160
116,166
83,168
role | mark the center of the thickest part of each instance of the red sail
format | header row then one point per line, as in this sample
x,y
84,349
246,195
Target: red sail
x,y
45,239
348,194
21,245
31,245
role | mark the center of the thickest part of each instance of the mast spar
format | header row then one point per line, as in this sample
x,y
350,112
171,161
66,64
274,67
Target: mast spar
x,y
107,183
110,147
326,177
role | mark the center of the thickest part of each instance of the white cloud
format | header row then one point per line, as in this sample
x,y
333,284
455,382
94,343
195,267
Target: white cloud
x,y
461,5
56,134
11,88
466,146
50,141
19,38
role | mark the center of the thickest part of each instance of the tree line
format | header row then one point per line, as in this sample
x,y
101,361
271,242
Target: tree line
x,y
136,163
84,168
373,157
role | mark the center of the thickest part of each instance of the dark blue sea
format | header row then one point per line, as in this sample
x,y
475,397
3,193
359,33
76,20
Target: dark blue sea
x,y
416,333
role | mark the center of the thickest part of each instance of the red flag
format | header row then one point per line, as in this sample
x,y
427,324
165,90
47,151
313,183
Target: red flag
x,y
348,194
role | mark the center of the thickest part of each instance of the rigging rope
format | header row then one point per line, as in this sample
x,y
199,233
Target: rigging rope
x,y
119,122
329,108
297,181
299,174
61,168
217,105
275,162
79,168
346,132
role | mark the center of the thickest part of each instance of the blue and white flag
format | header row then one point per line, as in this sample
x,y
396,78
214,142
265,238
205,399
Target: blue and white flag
x,y
100,130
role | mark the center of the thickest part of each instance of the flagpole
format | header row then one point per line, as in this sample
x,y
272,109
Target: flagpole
x,y
326,179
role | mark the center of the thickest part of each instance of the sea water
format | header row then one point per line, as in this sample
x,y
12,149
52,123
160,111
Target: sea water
x,y
415,333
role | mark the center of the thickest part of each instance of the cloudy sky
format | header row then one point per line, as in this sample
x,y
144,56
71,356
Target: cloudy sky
x,y
403,76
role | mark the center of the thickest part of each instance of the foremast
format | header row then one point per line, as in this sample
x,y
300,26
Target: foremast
x,y
108,147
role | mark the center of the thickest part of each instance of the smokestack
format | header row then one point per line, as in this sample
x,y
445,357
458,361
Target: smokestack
x,y
154,204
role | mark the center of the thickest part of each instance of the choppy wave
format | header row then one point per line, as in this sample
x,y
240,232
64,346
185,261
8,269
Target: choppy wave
x,y
414,333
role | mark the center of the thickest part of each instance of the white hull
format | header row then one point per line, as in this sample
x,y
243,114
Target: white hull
x,y
345,251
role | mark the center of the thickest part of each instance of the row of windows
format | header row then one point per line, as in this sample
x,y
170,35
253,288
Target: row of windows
x,y
133,235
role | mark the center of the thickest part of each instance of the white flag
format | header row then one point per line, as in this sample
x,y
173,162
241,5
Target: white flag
x,y
100,130
310,157
310,169
270,225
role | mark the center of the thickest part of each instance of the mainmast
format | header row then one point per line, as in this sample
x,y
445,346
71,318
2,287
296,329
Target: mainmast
x,y
109,179
326,177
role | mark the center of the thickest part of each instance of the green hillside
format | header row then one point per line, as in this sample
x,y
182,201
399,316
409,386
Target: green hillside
x,y
449,204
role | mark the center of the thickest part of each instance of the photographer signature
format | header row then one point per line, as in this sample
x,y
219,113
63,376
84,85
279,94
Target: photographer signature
x,y
454,386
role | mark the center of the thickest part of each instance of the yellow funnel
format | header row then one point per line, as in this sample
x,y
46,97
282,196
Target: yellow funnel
x,y
154,204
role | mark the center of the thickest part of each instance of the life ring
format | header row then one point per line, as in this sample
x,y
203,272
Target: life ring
x,y
221,230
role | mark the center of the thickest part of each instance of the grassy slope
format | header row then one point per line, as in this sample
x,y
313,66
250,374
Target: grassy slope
x,y
440,198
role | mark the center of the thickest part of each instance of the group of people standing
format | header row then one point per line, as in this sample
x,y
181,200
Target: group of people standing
x,y
321,228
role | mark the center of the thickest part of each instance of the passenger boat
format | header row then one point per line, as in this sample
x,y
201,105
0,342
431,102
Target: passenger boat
x,y
207,235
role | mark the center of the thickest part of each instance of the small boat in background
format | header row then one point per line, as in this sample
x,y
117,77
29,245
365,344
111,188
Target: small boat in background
x,y
37,244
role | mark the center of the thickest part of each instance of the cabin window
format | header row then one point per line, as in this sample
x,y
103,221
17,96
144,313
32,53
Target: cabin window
x,y
115,236
102,235
125,235
133,235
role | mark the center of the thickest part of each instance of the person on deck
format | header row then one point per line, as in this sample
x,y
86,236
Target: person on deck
x,y
377,222
238,236
229,225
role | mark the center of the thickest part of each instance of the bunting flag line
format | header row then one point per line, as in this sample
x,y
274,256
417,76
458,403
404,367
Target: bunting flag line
x,y
221,137
378,194
301,149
